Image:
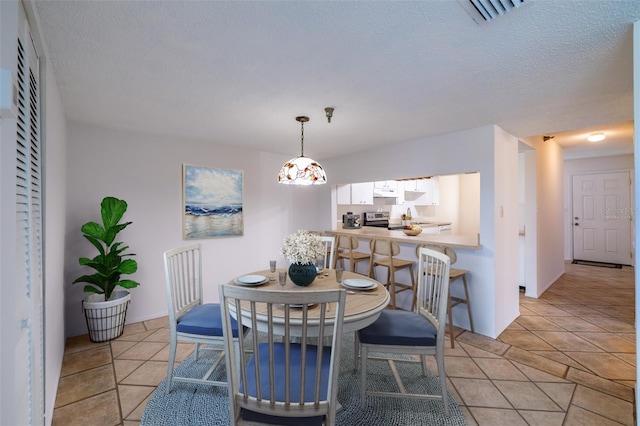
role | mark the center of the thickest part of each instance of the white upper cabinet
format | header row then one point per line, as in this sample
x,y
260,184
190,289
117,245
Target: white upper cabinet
x,y
432,192
362,193
355,193
343,194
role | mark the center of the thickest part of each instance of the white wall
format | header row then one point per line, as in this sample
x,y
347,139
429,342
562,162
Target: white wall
x,y
440,155
55,159
146,171
616,163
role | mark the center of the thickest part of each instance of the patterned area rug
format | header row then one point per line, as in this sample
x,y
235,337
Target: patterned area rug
x,y
191,405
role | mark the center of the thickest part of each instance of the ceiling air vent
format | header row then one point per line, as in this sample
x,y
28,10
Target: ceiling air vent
x,y
486,10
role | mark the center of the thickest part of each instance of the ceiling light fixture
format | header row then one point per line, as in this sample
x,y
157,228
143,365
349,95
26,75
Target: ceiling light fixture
x,y
302,170
595,137
329,112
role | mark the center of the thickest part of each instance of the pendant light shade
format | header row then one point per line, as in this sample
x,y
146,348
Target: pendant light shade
x,y
302,170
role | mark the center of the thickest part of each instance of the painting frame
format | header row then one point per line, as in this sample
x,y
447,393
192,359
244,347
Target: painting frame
x,y
212,202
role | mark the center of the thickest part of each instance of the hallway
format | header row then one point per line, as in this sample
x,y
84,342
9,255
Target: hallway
x,y
569,359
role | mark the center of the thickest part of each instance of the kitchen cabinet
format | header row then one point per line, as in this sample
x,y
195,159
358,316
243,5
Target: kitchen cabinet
x,y
384,184
416,185
362,193
343,194
355,193
432,192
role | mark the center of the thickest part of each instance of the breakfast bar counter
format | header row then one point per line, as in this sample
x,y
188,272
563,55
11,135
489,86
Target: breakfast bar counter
x,y
454,241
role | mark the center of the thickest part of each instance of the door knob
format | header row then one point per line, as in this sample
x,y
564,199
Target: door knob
x,y
575,224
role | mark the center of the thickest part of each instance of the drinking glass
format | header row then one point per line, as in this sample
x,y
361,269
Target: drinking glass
x,y
272,265
282,275
339,275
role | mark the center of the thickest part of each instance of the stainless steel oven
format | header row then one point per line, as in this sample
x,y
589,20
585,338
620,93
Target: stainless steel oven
x,y
377,219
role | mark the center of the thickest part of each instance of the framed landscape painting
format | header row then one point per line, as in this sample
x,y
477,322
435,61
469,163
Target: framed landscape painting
x,y
212,202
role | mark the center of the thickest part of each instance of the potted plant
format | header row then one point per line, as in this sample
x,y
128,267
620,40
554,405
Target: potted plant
x,y
302,249
105,308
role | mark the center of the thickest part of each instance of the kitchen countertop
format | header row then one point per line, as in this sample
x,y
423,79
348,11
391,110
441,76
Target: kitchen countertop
x,y
454,241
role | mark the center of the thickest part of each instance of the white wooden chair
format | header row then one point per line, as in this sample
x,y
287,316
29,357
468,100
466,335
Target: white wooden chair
x,y
189,319
269,386
420,332
454,274
329,245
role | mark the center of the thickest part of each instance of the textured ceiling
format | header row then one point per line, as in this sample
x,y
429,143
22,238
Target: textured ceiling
x,y
238,73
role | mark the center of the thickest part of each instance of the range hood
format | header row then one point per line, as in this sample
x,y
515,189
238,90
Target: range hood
x,y
385,192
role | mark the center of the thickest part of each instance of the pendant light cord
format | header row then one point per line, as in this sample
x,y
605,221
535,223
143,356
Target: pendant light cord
x,y
302,139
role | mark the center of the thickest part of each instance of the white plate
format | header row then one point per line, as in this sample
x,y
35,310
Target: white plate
x,y
358,283
300,305
251,280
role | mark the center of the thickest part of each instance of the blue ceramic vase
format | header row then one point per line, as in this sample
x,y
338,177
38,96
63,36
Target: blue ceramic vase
x,y
302,274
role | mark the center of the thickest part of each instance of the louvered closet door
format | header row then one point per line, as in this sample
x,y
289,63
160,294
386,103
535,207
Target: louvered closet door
x,y
29,363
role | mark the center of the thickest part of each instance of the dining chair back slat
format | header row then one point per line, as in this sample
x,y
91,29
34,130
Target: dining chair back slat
x,y
282,375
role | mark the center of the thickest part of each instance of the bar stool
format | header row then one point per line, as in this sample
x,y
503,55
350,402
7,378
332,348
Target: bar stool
x,y
346,246
454,274
389,249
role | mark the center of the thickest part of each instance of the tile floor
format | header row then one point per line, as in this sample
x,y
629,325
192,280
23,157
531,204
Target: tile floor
x,y
569,359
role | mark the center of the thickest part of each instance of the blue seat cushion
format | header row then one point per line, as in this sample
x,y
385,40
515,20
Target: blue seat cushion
x,y
204,320
399,328
295,365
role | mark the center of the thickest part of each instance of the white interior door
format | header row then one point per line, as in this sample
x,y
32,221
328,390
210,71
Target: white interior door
x,y
602,217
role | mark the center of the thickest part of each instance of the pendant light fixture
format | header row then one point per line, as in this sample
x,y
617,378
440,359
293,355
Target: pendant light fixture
x,y
302,170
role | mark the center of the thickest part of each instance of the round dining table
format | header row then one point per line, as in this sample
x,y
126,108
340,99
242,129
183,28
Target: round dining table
x,y
362,307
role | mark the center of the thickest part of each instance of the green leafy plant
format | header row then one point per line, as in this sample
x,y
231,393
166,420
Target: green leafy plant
x,y
109,264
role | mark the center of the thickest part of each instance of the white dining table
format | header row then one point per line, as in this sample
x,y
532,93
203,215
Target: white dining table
x,y
362,307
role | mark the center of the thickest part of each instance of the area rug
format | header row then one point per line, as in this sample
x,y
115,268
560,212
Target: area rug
x,y
600,264
194,405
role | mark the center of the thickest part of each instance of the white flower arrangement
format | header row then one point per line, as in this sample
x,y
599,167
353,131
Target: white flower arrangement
x,y
302,247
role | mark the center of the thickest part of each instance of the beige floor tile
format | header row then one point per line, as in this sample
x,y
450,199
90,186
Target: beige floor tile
x,y
525,396
575,324
86,360
609,342
162,322
85,384
468,418
611,324
483,342
159,335
499,369
560,393
132,396
561,358
151,373
497,417
131,329
603,404
142,351
542,418
548,310
80,343
462,367
136,414
605,365
536,375
598,383
100,410
532,323
183,351
480,393
124,367
577,416
118,347
136,337
475,352
525,340
566,341
536,361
